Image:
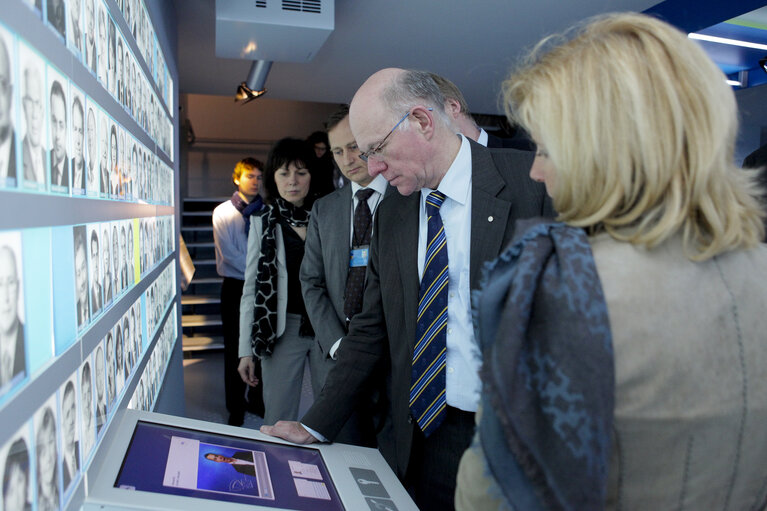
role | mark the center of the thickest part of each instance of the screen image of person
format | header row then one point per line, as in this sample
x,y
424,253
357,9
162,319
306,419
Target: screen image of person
x,y
16,477
48,493
81,276
57,16
649,289
92,173
70,456
106,259
77,162
95,275
241,461
12,350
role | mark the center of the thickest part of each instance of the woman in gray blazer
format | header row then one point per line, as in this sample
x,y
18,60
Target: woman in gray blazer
x,y
274,325
635,129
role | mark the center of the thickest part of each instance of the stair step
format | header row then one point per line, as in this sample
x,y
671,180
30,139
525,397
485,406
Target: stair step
x,y
200,244
201,262
202,228
199,299
191,320
207,280
202,343
197,213
206,199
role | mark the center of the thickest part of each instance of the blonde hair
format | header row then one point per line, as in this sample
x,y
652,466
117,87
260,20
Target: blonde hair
x,y
246,165
640,127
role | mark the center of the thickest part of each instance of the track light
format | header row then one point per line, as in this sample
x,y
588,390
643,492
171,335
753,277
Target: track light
x,y
253,87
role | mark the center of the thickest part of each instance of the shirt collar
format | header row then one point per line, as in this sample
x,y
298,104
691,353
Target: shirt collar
x,y
378,184
456,184
482,139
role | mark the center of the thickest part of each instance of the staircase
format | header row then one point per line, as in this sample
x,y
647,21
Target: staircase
x,y
200,319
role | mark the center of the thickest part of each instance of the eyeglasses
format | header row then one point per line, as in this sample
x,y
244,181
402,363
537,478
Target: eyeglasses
x,y
367,154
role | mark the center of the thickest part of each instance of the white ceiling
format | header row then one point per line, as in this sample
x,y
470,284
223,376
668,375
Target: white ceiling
x,y
471,42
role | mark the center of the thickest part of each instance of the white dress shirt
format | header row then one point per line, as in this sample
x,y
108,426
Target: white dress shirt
x,y
230,240
463,355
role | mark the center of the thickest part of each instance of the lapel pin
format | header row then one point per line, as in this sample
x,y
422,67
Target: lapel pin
x,y
490,218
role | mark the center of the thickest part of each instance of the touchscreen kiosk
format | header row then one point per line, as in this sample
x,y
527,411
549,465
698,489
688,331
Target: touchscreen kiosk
x,y
156,461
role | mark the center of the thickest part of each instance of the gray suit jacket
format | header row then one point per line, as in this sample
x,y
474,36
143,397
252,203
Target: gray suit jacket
x,y
326,264
501,193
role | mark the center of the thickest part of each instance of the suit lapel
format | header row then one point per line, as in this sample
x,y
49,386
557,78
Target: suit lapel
x,y
338,238
489,215
407,260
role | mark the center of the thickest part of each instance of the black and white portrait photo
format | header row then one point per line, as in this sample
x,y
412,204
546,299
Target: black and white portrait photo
x,y
99,382
47,457
34,108
77,149
109,353
81,275
58,159
116,260
90,35
8,91
101,44
70,455
87,413
75,29
106,266
92,151
94,265
57,16
15,472
103,154
12,348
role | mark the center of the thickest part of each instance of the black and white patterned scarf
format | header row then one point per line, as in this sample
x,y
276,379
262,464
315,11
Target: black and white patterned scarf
x,y
264,331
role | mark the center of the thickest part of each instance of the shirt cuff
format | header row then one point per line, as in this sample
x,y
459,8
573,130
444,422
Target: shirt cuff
x,y
334,349
316,435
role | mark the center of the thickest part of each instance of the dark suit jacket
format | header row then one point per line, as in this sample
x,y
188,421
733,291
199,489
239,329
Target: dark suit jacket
x,y
324,270
758,159
501,193
64,180
12,157
19,357
81,182
248,470
519,141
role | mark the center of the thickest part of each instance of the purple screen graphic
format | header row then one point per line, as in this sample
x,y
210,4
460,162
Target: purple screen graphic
x,y
179,461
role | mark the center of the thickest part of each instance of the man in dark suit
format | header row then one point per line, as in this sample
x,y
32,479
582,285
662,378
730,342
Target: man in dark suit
x,y
12,354
96,298
758,160
484,193
7,135
248,468
332,282
457,108
58,153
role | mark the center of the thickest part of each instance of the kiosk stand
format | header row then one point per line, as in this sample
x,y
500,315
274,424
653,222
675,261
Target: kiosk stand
x,y
155,461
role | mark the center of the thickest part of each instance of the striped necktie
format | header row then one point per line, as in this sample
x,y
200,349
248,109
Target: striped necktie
x,y
427,390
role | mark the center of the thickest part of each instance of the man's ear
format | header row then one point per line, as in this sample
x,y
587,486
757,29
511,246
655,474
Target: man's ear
x,y
423,120
452,107
236,182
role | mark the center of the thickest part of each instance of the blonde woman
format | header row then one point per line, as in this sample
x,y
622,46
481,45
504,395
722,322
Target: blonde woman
x,y
635,129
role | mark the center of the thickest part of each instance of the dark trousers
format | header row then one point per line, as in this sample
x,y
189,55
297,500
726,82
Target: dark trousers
x,y
236,390
433,465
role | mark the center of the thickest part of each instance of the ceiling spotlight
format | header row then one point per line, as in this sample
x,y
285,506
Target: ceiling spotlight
x,y
253,86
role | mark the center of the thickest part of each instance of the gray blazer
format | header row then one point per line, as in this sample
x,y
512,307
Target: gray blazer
x,y
249,288
501,192
326,264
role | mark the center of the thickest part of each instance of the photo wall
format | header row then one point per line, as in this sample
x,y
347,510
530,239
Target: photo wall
x,y
88,223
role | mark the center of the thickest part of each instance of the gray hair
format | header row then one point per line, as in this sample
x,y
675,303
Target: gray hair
x,y
415,87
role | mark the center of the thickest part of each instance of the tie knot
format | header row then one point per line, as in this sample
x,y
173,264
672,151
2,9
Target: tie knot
x,y
434,201
364,194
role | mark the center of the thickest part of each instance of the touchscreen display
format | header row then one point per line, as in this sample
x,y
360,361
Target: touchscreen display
x,y
180,461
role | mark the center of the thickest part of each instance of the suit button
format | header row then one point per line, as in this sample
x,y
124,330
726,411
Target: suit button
x,y
409,419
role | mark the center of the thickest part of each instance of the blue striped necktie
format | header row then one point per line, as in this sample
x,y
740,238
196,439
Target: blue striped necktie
x,y
427,389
